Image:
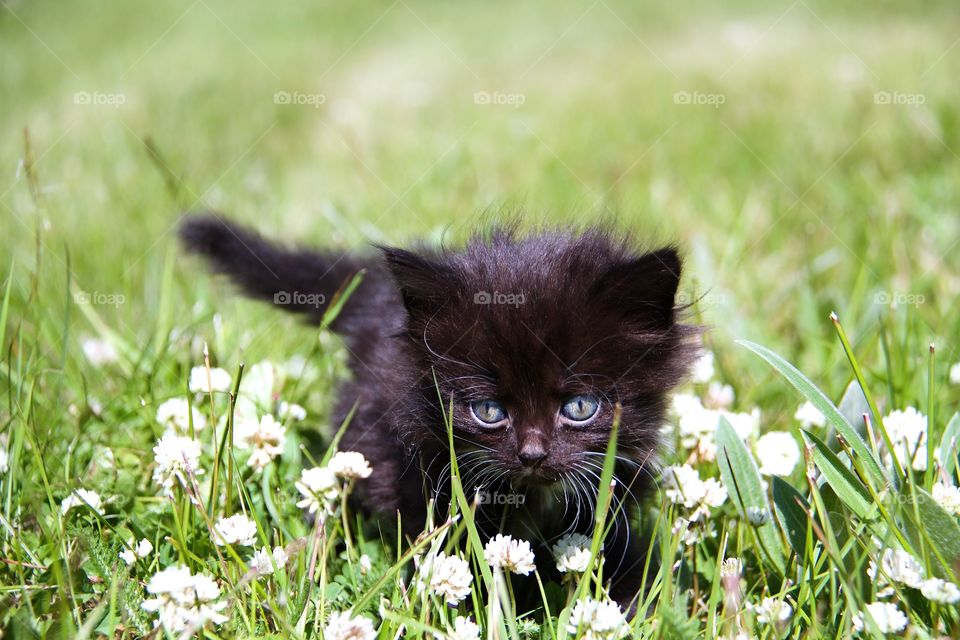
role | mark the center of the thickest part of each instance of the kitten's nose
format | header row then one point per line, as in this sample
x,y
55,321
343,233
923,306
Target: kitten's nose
x,y
532,453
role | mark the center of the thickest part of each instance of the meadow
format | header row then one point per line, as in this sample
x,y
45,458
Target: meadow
x,y
804,156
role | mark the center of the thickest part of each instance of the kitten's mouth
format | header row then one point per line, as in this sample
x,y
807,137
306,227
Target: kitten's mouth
x,y
536,478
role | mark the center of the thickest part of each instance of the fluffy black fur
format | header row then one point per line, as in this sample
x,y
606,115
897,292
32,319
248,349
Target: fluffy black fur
x,y
565,315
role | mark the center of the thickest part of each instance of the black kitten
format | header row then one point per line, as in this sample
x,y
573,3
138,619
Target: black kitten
x,y
535,339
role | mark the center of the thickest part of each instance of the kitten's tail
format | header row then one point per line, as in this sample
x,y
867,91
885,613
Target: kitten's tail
x,y
298,280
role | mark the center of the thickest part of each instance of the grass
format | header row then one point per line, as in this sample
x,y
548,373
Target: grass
x,y
804,155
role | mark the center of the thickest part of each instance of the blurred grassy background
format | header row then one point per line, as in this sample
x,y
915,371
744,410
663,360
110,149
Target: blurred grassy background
x,y
804,154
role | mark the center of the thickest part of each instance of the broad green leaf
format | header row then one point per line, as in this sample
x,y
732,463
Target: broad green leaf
x,y
950,445
826,407
928,523
740,476
792,512
842,480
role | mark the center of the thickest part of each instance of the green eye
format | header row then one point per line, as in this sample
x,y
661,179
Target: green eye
x,y
488,412
580,408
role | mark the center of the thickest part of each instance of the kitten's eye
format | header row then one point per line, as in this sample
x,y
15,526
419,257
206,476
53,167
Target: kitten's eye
x,y
488,412
580,408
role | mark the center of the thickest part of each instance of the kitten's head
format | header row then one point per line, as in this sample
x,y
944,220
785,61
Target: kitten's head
x,y
536,340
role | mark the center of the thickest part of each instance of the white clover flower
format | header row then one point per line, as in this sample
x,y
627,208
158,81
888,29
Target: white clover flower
x,y
746,425
771,611
685,487
696,424
258,382
719,396
703,368
572,553
291,410
350,465
4,461
685,403
183,600
237,530
509,554
319,488
948,497
82,498
219,380
143,549
886,615
262,565
777,453
344,626
463,629
266,438
955,373
176,458
937,590
99,352
447,576
908,433
897,566
809,416
175,415
597,620
731,568
365,564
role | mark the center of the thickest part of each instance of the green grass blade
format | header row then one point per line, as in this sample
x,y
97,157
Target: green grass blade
x,y
842,480
816,397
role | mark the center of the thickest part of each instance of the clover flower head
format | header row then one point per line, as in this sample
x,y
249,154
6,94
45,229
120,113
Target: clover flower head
x,y
886,615
597,620
350,465
82,498
236,530
175,414
176,458
183,600
200,382
509,554
572,553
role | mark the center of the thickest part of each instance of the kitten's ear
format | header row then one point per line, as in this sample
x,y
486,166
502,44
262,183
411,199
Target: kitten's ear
x,y
644,288
424,284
